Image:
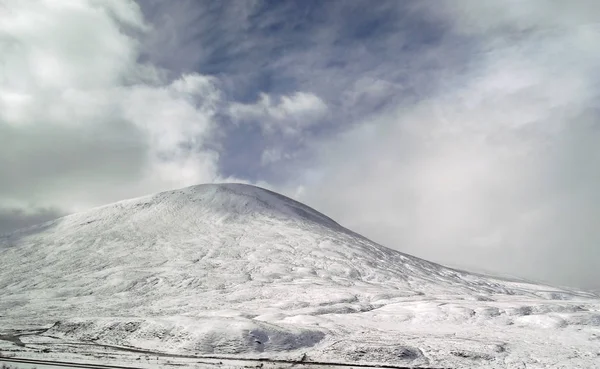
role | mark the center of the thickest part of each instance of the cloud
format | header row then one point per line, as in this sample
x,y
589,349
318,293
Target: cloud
x,y
512,17
286,124
11,219
291,115
355,59
82,121
493,171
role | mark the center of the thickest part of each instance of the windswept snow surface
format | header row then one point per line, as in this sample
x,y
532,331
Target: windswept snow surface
x,y
233,269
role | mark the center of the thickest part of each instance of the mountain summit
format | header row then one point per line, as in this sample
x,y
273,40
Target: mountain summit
x,y
236,269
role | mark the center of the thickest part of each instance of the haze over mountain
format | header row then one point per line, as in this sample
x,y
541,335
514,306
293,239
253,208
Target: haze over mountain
x,y
236,269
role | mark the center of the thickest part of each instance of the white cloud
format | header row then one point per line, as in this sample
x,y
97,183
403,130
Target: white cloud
x,y
290,115
368,92
274,155
82,122
50,45
284,124
487,173
514,16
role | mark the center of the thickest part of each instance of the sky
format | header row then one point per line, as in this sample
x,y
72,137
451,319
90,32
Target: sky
x,y
463,132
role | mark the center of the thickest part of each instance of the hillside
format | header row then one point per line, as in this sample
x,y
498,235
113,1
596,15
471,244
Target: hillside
x,y
238,270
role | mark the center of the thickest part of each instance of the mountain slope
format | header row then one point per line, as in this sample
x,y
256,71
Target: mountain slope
x,y
235,269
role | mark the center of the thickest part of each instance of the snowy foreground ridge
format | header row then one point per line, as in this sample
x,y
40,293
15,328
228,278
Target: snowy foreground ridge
x,y
237,270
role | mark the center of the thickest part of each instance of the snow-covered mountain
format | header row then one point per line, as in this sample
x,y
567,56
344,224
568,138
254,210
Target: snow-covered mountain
x,y
239,270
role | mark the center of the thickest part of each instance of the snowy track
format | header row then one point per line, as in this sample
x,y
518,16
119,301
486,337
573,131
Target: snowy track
x,y
219,362
59,364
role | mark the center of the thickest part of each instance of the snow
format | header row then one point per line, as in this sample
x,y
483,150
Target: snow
x,y
233,269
